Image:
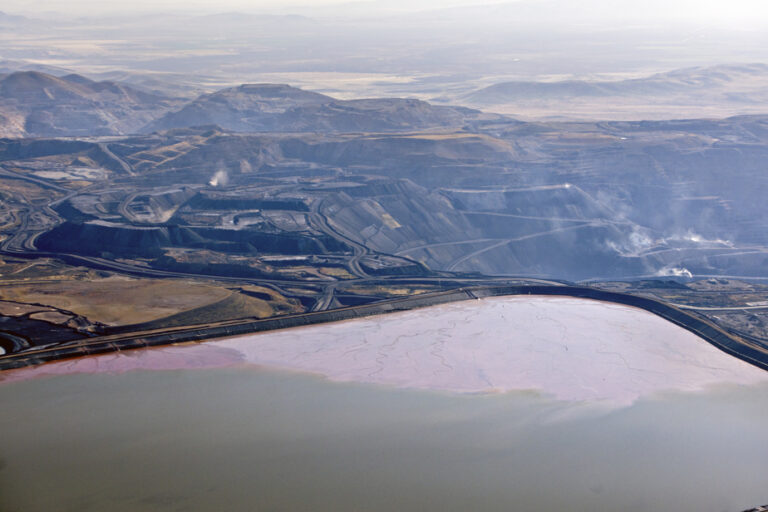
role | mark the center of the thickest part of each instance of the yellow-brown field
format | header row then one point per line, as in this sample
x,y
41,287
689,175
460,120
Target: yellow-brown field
x,y
118,301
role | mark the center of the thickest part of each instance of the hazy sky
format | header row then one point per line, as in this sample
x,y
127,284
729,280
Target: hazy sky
x,y
711,10
91,6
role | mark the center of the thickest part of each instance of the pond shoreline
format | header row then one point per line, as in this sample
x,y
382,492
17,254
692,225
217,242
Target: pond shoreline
x,y
705,329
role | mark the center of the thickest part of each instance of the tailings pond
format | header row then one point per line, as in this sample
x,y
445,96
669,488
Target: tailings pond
x,y
510,403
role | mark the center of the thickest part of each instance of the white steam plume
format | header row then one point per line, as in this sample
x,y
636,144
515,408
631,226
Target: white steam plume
x,y
219,179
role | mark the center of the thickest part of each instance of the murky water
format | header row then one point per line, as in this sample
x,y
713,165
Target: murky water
x,y
249,439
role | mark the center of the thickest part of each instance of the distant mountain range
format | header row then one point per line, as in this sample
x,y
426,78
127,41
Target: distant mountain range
x,y
717,91
674,82
36,104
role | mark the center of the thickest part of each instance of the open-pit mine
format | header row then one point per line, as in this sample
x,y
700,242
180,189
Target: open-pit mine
x,y
273,298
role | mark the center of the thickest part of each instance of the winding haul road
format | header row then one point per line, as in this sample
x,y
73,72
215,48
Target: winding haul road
x,y
35,219
21,244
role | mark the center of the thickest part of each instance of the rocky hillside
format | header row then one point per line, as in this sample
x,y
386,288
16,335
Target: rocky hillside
x,y
35,104
282,108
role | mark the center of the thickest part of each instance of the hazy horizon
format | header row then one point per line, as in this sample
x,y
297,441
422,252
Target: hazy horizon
x,y
464,40
736,14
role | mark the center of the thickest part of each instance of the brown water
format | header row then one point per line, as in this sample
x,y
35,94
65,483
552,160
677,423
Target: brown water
x,y
249,439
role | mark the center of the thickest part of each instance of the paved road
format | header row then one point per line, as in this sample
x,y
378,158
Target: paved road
x,y
708,308
504,242
320,222
36,219
446,244
32,179
122,163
